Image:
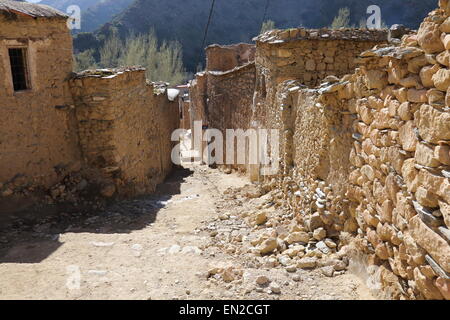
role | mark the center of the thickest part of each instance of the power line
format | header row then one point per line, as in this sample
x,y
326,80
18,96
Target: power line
x,y
266,9
209,22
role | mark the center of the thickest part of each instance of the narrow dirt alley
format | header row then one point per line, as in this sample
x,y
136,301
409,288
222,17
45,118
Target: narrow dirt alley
x,y
191,240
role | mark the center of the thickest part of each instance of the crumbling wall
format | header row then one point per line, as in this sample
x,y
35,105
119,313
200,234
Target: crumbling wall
x,y
306,56
185,114
315,142
370,156
225,58
400,185
38,139
221,97
229,103
311,55
125,129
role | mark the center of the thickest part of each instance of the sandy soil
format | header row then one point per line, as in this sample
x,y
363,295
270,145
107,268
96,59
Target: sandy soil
x,y
158,247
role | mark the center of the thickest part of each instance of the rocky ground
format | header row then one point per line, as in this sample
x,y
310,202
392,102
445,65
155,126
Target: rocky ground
x,y
204,235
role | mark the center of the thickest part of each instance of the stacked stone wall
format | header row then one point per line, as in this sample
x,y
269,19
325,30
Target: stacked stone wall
x,y
370,157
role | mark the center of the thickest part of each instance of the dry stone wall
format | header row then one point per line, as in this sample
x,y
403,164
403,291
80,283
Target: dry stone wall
x,y
230,102
307,56
311,55
365,145
368,155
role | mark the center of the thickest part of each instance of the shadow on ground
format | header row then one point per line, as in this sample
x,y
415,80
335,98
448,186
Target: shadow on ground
x,y
32,236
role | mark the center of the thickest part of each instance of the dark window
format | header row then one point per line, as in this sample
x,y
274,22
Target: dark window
x,y
19,69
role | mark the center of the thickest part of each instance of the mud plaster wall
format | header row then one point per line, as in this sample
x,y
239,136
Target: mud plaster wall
x,y
38,139
125,129
230,98
185,114
225,58
221,97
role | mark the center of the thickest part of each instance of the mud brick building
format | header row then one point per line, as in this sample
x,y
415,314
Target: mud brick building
x,y
107,127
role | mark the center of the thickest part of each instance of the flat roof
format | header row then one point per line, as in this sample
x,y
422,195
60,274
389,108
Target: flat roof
x,y
299,34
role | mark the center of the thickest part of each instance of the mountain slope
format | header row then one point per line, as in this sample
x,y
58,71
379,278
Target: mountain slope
x,y
94,13
238,20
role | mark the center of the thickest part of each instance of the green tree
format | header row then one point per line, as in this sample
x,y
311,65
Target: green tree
x,y
267,26
342,20
111,51
169,63
84,60
162,63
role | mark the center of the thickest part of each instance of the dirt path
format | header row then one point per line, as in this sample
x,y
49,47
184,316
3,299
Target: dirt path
x,y
187,242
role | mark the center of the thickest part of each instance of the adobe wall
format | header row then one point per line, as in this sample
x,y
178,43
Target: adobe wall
x,y
225,58
221,97
125,129
38,139
311,55
230,99
185,114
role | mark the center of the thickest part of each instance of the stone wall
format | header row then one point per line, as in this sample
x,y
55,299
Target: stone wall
x,y
365,157
311,55
369,155
307,56
198,110
229,102
125,129
38,138
221,97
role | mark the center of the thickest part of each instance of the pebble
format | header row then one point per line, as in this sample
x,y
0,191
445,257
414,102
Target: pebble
x,y
268,246
174,249
319,234
327,271
284,260
291,268
297,278
330,243
307,263
322,247
102,244
262,280
275,288
261,218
